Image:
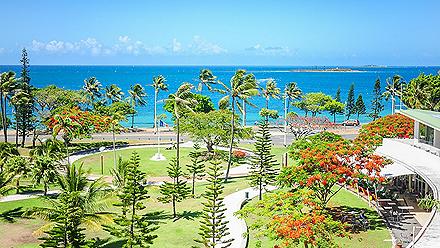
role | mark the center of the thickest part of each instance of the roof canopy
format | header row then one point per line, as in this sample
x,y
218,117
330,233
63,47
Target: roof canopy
x,y
429,118
395,169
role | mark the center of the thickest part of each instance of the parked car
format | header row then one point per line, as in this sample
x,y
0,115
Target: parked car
x,y
351,123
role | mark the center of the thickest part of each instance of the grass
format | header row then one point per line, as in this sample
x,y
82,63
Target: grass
x,y
375,237
172,234
152,168
278,151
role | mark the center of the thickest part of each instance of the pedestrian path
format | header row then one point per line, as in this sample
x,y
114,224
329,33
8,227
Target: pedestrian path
x,y
237,227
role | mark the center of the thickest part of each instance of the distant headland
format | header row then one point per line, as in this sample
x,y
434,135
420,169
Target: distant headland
x,y
335,69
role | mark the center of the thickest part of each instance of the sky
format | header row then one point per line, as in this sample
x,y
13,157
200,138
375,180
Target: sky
x,y
227,32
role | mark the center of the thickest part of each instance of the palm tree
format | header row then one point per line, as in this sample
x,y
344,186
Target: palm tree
x,y
92,87
6,152
293,92
6,178
45,170
137,95
181,100
393,89
206,78
89,198
7,85
158,85
50,147
242,87
113,93
270,91
20,167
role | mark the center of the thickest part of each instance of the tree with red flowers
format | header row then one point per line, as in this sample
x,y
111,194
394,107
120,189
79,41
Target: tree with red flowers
x,y
303,126
321,165
294,218
77,124
390,126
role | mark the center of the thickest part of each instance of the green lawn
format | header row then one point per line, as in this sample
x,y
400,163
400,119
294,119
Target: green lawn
x,y
152,168
278,151
173,234
378,236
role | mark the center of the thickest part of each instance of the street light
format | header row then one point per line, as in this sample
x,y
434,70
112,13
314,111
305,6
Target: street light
x,y
101,149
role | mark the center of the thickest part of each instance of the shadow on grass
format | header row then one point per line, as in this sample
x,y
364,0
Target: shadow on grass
x,y
11,215
350,215
188,215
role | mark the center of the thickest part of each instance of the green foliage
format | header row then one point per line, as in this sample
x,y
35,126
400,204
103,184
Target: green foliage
x,y
206,78
197,168
133,227
313,102
423,92
20,167
44,170
213,226
334,107
174,191
338,95
269,113
52,99
376,103
120,173
92,89
350,107
7,150
360,106
23,101
119,109
428,202
213,128
262,172
199,104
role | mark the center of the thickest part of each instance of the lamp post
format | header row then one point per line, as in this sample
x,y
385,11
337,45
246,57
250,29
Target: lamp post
x,y
285,116
101,149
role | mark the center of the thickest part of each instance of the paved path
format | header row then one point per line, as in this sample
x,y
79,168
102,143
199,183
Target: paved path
x,y
237,227
18,197
427,166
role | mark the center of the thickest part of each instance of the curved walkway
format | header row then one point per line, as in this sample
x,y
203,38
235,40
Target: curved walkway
x,y
427,166
237,227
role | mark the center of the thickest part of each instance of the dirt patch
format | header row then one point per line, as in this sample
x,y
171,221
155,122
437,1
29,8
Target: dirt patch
x,y
19,233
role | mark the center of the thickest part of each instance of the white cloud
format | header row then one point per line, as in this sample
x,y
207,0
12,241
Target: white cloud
x,y
176,46
2,50
269,50
127,45
201,46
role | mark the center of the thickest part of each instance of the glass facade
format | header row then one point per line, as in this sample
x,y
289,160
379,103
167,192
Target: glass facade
x,y
426,134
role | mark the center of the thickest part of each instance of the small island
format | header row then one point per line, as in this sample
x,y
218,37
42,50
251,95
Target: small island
x,y
336,69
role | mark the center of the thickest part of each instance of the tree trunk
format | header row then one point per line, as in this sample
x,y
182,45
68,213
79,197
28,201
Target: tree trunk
x,y
174,207
4,121
177,141
334,118
34,137
132,120
45,189
244,113
210,147
261,190
155,112
114,146
193,184
232,140
16,129
17,185
393,105
133,213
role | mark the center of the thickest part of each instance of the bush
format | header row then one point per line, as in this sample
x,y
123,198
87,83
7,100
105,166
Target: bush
x,y
390,126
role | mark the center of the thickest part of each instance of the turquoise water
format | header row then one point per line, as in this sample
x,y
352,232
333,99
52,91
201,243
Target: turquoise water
x,y
71,77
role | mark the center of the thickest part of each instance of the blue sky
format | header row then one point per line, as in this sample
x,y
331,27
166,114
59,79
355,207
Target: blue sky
x,y
223,32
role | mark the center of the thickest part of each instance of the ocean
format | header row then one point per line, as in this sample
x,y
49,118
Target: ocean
x,y
72,77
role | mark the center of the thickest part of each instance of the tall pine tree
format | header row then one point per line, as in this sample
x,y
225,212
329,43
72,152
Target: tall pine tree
x,y
350,107
338,95
24,101
174,191
360,106
132,226
376,103
197,168
262,171
213,226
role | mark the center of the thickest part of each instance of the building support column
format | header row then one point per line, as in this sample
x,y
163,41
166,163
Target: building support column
x,y
416,131
436,138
